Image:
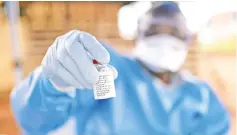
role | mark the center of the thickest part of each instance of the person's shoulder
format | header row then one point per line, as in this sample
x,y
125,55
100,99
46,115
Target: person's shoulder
x,y
191,79
195,86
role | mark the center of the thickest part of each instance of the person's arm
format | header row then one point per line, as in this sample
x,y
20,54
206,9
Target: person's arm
x,y
38,107
217,120
42,102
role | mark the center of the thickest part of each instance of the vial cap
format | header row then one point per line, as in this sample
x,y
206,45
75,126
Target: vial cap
x,y
95,62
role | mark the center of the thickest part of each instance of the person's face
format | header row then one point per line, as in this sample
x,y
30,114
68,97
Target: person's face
x,y
161,29
166,29
163,47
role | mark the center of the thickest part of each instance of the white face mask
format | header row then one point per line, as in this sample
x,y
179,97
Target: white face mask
x,y
161,53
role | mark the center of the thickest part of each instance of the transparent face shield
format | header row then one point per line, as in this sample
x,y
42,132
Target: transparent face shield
x,y
166,29
173,25
163,44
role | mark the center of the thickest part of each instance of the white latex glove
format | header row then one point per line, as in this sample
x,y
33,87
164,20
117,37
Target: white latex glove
x,y
68,63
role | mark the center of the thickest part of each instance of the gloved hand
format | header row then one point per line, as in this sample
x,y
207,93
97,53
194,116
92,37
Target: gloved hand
x,y
68,62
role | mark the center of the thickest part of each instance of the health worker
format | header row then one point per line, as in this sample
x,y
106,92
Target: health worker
x,y
153,95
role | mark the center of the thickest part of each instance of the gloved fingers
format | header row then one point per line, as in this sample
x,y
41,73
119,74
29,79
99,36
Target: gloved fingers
x,y
66,76
90,43
55,71
69,64
114,70
66,35
94,48
79,56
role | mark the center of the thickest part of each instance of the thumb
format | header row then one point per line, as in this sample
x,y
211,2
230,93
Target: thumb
x,y
114,70
60,85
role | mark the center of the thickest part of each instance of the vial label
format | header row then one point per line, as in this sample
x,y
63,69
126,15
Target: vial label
x,y
104,88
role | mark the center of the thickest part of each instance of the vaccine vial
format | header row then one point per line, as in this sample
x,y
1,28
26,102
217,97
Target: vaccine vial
x,y
104,88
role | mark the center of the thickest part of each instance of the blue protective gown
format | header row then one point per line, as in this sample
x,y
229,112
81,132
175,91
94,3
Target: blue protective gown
x,y
140,107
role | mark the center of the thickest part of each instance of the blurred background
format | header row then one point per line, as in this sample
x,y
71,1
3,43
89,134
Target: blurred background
x,y
27,29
